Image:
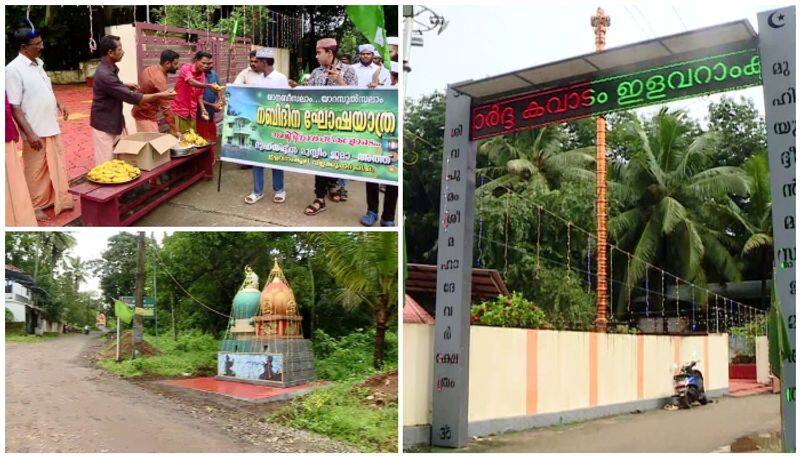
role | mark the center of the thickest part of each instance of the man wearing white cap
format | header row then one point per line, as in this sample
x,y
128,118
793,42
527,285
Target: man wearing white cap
x,y
381,76
271,79
393,43
365,68
395,72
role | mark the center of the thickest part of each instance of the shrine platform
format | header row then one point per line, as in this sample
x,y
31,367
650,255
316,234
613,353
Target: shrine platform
x,y
242,391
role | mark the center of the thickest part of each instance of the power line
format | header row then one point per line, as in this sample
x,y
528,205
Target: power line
x,y
679,18
169,273
638,24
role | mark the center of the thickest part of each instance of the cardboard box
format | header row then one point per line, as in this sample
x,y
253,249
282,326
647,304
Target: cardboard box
x,y
145,150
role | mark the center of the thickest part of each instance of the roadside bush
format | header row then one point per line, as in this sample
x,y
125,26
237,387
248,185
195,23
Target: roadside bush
x,y
350,356
509,312
340,412
194,353
9,316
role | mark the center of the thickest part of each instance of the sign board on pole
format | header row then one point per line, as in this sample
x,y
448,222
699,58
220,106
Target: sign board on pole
x,y
147,310
777,45
454,278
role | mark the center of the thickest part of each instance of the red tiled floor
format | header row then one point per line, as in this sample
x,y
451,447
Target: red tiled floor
x,y
76,134
746,387
64,218
235,389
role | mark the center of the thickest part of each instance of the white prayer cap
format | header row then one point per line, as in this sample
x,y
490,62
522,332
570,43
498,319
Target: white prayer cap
x,y
395,67
393,40
366,48
377,54
265,53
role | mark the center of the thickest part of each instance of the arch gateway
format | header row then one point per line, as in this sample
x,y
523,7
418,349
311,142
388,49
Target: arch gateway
x,y
720,58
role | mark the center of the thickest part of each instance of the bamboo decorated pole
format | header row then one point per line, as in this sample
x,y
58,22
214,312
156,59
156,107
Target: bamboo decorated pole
x,y
600,22
117,358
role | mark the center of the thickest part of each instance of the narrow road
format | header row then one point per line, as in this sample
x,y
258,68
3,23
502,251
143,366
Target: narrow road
x,y
701,429
57,401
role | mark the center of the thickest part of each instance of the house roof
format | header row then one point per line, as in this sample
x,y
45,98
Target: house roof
x,y
485,283
413,313
15,274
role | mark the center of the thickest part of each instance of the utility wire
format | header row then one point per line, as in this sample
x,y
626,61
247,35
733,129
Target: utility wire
x,y
158,258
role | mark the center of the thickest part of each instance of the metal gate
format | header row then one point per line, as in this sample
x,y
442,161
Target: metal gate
x,y
152,39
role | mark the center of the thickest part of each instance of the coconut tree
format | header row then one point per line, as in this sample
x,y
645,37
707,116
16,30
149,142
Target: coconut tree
x,y
753,218
669,224
533,158
364,265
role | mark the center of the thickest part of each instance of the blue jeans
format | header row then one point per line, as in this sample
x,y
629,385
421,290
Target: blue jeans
x,y
341,182
258,180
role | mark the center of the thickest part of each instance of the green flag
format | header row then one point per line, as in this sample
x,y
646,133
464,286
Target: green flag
x,y
122,311
777,335
369,20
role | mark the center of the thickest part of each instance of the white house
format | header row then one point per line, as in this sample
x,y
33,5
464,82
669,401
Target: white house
x,y
19,300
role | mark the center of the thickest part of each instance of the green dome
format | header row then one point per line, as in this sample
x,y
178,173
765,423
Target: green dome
x,y
246,303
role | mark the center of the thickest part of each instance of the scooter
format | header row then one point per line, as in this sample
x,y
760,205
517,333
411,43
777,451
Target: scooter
x,y
689,386
85,329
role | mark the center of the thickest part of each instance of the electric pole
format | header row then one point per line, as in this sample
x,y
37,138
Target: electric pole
x,y
600,22
137,317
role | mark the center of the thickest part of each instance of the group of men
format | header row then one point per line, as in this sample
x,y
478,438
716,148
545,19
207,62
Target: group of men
x,y
37,179
191,105
332,71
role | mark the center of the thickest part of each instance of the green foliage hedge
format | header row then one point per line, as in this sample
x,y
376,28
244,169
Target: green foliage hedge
x,y
350,356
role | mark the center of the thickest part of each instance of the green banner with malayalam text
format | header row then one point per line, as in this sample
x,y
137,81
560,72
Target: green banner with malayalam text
x,y
336,132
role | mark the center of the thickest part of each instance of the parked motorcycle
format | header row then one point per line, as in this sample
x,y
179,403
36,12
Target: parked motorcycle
x,y
85,329
689,387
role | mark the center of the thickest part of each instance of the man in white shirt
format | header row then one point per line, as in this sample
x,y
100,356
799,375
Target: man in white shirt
x,y
249,74
365,68
269,78
36,112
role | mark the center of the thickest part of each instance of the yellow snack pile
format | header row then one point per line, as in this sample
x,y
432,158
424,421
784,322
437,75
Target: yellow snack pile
x,y
114,172
190,138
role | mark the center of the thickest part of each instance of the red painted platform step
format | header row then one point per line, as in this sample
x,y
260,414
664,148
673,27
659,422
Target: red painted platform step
x,y
240,390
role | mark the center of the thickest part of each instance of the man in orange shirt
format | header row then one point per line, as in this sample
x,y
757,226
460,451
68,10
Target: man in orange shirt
x,y
152,81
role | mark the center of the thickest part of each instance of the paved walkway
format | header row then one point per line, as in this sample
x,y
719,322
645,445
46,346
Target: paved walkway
x,y
76,134
700,429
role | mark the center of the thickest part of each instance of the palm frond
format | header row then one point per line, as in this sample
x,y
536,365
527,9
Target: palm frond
x,y
755,242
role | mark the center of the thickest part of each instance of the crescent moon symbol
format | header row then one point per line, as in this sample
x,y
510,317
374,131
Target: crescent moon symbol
x,y
772,23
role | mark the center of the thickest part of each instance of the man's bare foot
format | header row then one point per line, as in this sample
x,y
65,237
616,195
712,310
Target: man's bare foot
x,y
40,215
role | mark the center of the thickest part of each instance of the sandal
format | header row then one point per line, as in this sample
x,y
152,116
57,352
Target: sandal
x,y
279,197
338,195
253,198
316,207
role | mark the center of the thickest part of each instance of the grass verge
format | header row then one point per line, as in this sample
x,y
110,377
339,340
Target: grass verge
x,y
25,338
192,354
342,412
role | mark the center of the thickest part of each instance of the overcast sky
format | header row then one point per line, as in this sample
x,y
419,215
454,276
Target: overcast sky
x,y
90,244
482,41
